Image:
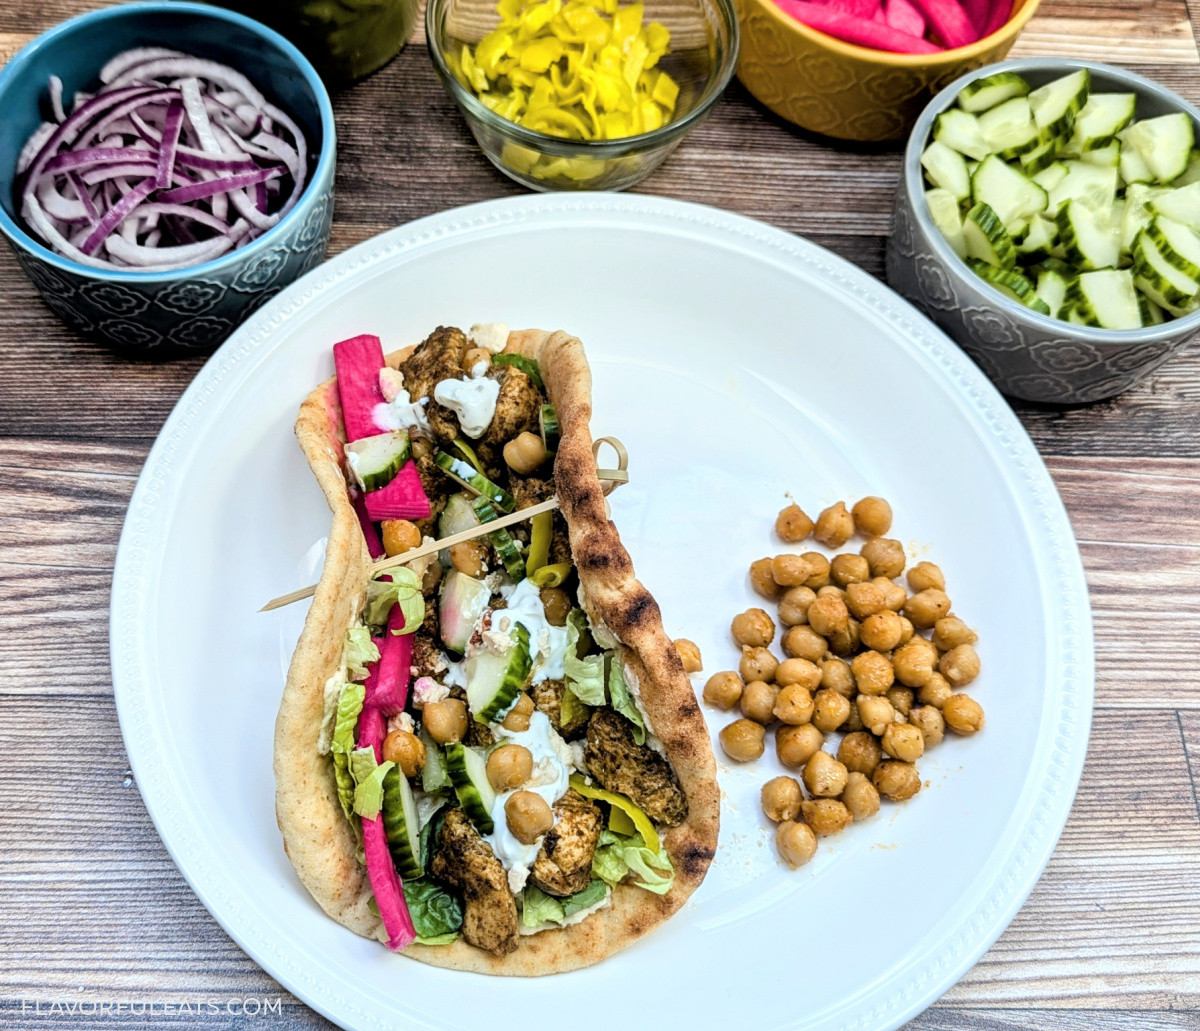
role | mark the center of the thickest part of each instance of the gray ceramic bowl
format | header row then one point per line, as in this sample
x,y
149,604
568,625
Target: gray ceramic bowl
x,y
1026,355
166,313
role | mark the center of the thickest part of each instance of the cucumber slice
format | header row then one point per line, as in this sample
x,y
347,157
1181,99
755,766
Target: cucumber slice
x,y
1106,299
1056,105
1182,205
502,541
1006,191
494,681
433,773
1009,130
475,481
1177,244
1152,314
960,131
1133,168
947,169
1051,176
943,209
1138,213
1164,144
1104,157
375,461
1103,116
1040,158
400,823
1011,284
1052,288
1161,281
1191,174
990,91
548,425
1088,237
986,239
462,601
1040,240
468,773
1094,187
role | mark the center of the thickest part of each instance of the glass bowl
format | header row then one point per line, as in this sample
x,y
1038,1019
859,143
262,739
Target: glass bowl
x,y
701,59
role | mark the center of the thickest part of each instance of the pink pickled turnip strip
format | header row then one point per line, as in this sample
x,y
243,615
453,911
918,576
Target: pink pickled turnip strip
x,y
358,361
372,729
370,533
859,31
117,214
387,685
387,887
855,8
168,143
949,21
998,16
977,12
904,17
403,498
198,191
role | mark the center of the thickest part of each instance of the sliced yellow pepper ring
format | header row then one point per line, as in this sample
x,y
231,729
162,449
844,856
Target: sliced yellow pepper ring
x,y
640,820
619,821
539,542
469,454
551,576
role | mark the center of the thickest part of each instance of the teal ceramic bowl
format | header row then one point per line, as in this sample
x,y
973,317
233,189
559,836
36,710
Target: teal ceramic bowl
x,y
161,314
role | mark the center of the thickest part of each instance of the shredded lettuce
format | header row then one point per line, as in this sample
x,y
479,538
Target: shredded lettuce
x,y
585,677
617,855
622,699
368,782
596,891
436,913
358,650
349,705
405,588
571,709
538,908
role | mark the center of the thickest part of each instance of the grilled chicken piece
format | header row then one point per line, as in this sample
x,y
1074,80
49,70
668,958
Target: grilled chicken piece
x,y
465,861
547,697
564,863
517,410
530,490
622,765
436,358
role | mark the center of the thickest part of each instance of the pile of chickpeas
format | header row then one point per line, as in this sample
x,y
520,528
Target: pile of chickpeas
x,y
863,657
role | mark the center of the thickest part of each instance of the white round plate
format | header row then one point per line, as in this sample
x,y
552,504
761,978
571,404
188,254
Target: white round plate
x,y
737,362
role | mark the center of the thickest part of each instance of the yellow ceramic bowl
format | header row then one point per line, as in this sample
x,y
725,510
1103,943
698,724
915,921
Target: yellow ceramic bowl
x,y
847,91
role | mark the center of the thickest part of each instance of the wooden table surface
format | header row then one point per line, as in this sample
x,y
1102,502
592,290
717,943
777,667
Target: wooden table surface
x,y
91,906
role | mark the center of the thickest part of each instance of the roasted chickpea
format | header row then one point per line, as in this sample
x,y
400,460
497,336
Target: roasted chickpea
x,y
872,517
743,740
781,798
834,526
758,701
689,654
406,750
894,595
509,766
885,556
792,524
724,690
825,816
824,776
959,665
790,570
865,599
431,577
445,721
896,780
803,642
793,705
830,591
828,615
470,557
762,579
830,710
902,699
796,843
906,630
529,816
757,664
836,675
934,691
881,632
950,631
798,671
860,796
846,642
926,575
518,716
849,569
860,752
399,536
556,603
903,741
914,662
525,453
876,712
421,448
753,627
930,723
926,608
793,606
473,356
796,745
873,674
818,565
854,720
962,714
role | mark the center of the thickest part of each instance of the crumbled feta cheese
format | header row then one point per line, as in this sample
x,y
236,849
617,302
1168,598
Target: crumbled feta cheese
x,y
391,382
401,721
426,690
497,641
491,336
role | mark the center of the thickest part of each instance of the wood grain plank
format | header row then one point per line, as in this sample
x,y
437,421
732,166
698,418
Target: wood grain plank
x,y
943,1017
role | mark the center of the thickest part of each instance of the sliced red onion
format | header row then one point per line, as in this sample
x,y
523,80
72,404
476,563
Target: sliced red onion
x,y
33,145
85,198
170,140
117,213
56,90
128,58
198,191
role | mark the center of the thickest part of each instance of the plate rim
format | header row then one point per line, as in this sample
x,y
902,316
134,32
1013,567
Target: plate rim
x,y
884,1005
